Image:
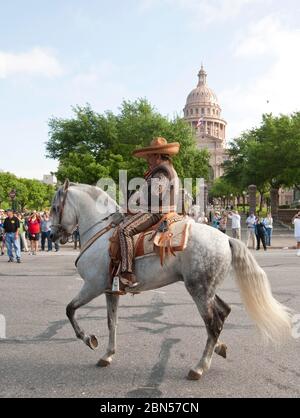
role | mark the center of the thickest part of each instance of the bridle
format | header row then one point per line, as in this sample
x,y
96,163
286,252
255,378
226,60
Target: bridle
x,y
61,229
58,226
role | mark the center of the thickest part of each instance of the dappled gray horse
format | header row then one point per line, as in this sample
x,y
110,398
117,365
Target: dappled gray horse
x,y
210,256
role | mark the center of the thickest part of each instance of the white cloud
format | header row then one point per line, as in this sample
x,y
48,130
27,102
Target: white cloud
x,y
203,12
277,89
37,61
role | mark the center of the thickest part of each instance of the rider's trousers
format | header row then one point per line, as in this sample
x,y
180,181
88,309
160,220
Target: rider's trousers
x,y
130,227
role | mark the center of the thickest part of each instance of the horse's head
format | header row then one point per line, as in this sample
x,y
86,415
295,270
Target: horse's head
x,y
62,214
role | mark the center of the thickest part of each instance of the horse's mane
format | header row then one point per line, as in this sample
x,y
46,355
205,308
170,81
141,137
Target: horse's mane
x,y
94,192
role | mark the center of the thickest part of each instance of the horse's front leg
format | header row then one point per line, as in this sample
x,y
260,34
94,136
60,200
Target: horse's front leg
x,y
86,294
112,302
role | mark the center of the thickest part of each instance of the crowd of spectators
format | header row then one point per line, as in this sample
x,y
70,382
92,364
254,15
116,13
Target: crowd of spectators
x,y
259,229
25,232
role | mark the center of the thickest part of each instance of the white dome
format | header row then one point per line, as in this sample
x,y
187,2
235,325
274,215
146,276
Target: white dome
x,y
202,95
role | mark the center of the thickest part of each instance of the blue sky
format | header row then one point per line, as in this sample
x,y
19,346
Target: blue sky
x,y
57,54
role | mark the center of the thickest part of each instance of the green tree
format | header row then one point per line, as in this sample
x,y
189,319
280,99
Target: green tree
x,y
30,194
223,190
268,156
91,145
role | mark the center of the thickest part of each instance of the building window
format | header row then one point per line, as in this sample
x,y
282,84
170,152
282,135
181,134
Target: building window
x,y
191,111
197,110
208,111
202,111
213,111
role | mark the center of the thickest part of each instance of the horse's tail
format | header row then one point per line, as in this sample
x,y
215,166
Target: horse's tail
x,y
272,318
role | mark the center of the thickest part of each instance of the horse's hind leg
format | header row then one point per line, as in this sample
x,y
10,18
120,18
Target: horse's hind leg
x,y
86,294
213,311
112,302
223,311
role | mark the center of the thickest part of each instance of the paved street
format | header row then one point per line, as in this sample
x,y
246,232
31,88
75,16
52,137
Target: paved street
x,y
160,335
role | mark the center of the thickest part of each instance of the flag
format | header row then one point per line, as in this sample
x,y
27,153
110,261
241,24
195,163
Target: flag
x,y
200,122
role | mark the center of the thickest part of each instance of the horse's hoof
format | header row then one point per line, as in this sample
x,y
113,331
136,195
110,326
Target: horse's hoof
x,y
103,363
221,350
193,375
92,342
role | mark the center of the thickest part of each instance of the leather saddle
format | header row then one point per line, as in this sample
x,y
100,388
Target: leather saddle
x,y
165,238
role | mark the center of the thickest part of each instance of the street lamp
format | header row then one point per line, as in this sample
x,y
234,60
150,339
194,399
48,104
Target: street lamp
x,y
12,194
244,200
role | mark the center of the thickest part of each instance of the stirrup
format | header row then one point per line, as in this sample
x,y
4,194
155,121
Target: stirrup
x,y
115,290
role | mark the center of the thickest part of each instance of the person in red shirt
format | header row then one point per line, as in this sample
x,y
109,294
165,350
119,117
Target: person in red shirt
x,y
34,229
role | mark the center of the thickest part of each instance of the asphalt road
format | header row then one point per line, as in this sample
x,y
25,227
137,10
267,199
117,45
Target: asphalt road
x,y
161,336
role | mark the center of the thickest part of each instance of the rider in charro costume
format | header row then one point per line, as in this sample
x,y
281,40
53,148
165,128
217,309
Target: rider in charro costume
x,y
161,187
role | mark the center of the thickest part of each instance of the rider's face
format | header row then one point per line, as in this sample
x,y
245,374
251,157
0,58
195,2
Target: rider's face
x,y
153,159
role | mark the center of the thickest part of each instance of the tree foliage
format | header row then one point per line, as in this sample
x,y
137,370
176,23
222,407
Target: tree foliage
x,y
268,156
30,194
92,145
222,188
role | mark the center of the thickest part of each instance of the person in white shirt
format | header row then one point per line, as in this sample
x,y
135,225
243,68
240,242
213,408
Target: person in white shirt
x,y
268,222
235,224
250,221
296,222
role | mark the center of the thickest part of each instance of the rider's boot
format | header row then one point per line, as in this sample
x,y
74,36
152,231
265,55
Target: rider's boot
x,y
128,279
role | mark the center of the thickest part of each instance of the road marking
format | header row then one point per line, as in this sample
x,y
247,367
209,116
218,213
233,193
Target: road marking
x,y
158,291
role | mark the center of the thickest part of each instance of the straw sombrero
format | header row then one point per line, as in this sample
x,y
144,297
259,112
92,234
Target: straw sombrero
x,y
158,146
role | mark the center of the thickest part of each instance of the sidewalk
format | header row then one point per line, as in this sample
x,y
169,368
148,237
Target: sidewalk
x,y
280,239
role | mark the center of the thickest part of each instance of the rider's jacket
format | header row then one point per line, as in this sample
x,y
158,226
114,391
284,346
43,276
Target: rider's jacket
x,y
160,191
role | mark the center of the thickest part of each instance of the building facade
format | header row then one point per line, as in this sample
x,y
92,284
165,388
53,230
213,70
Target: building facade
x,y
49,179
203,112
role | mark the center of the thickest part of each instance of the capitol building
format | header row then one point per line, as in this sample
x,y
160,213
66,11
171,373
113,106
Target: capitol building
x,y
203,112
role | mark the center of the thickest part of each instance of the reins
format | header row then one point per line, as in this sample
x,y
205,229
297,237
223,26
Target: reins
x,y
93,239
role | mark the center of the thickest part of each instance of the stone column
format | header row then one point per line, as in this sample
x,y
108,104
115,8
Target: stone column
x,y
252,198
274,195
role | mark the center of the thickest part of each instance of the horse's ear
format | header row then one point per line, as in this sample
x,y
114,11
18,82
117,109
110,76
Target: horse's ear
x,y
66,184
